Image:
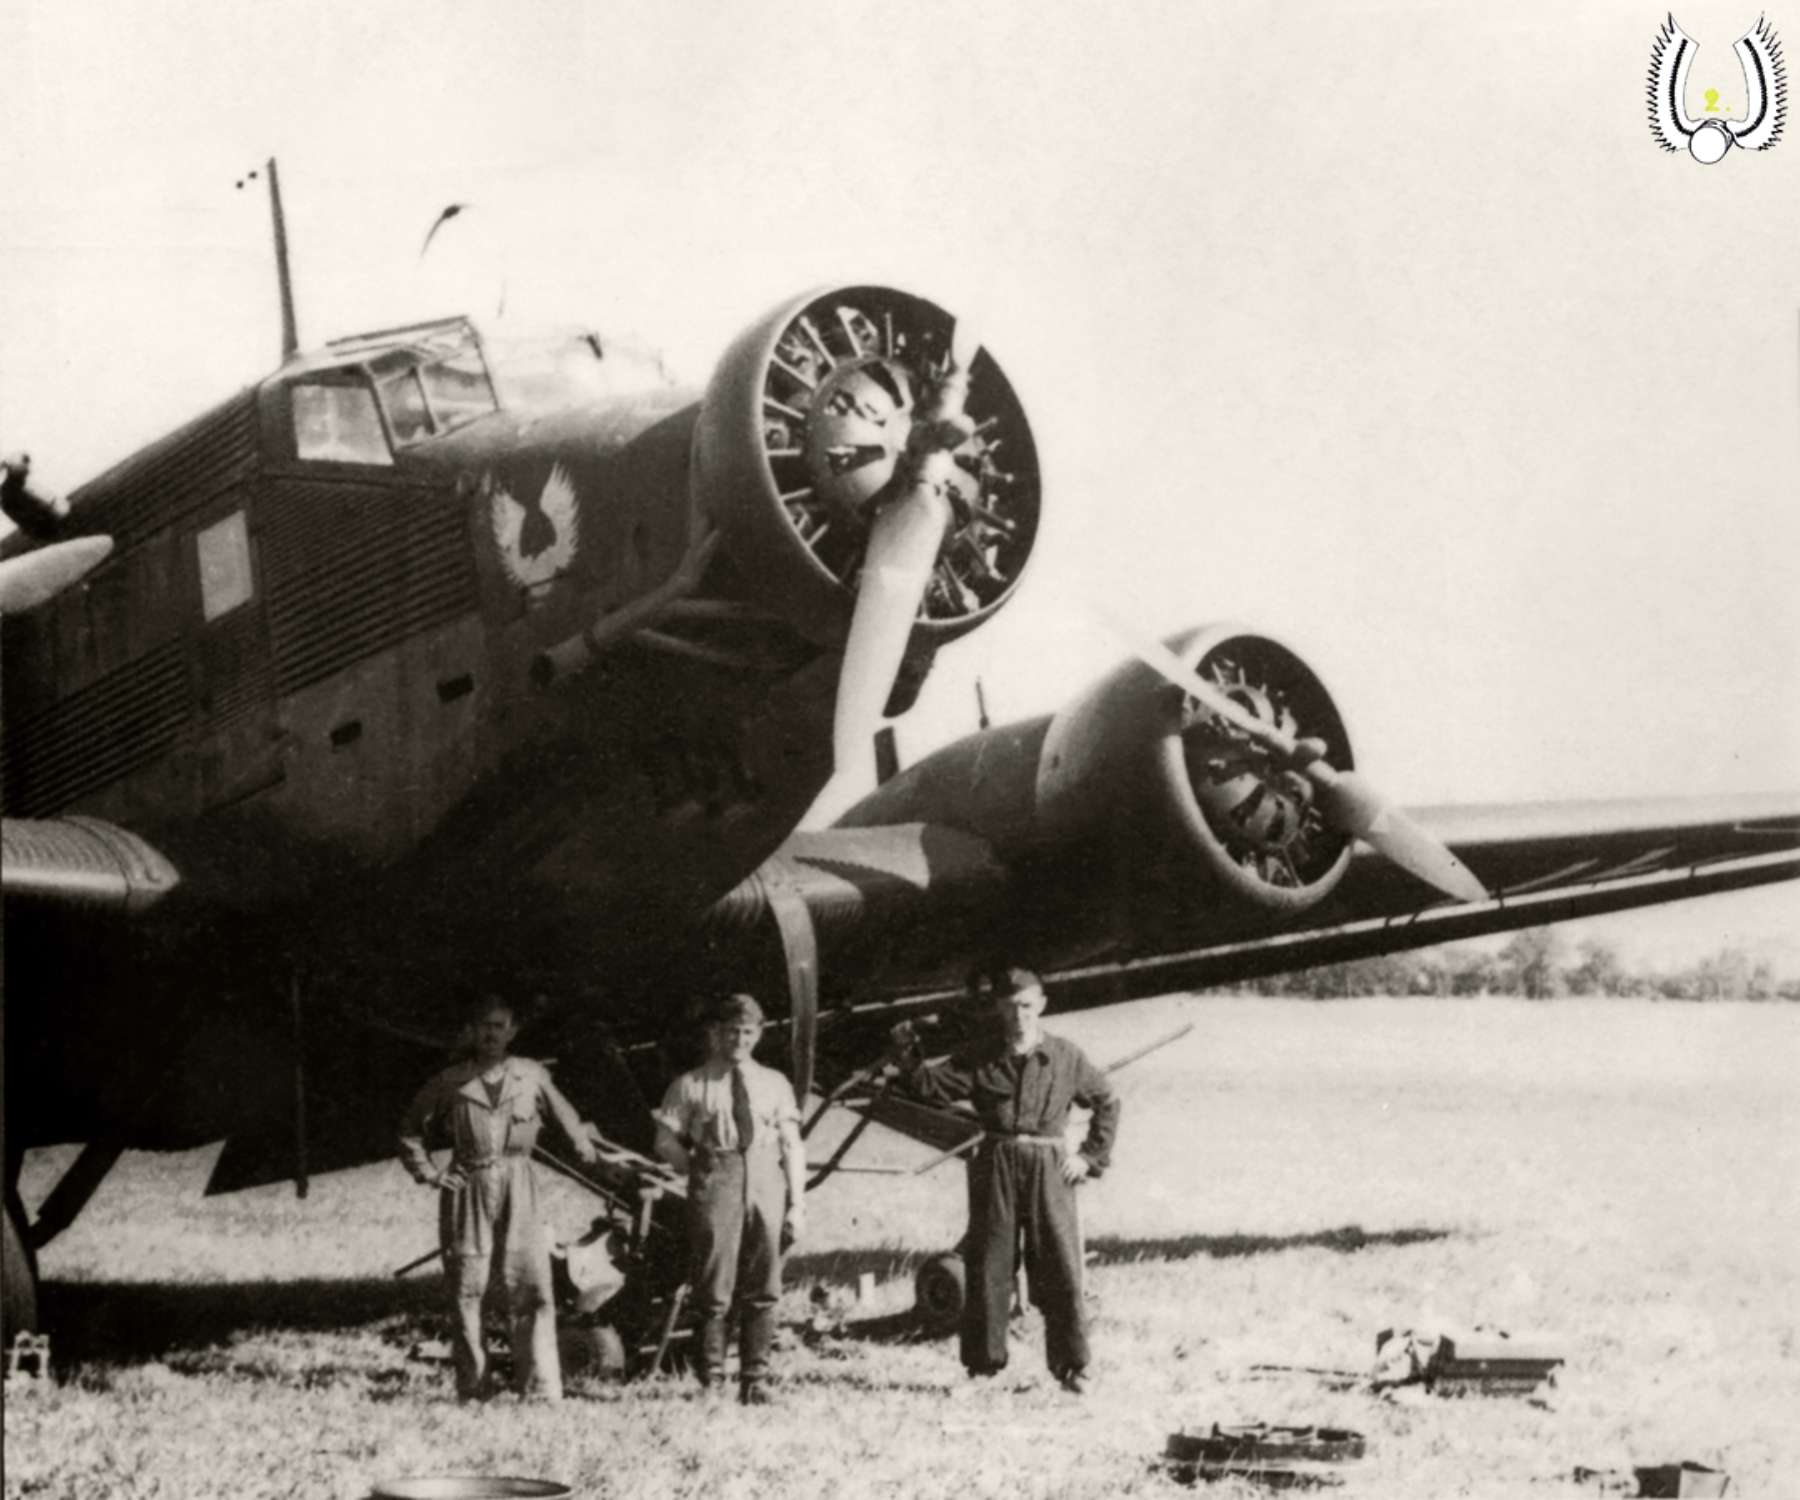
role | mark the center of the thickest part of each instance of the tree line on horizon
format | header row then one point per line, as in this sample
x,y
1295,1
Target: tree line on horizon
x,y
1537,963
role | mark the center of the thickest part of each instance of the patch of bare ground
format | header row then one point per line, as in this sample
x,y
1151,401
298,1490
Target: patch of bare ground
x,y
1619,1177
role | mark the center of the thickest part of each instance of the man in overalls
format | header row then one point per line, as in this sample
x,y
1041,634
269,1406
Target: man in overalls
x,y
487,1110
733,1126
1022,1177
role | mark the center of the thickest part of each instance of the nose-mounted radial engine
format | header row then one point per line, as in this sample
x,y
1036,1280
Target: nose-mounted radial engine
x,y
868,464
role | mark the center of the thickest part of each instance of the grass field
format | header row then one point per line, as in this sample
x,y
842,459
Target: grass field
x,y
1620,1177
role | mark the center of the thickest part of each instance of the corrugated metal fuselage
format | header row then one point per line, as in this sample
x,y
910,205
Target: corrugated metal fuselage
x,y
310,684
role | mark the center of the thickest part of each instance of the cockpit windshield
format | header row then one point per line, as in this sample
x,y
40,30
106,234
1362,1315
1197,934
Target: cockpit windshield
x,y
371,397
385,392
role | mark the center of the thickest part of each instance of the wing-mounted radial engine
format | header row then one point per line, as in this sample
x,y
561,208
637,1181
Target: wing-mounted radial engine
x,y
1191,800
876,482
1187,796
1146,807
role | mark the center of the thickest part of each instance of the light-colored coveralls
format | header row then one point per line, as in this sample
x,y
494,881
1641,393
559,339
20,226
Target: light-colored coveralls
x,y
737,1203
490,1224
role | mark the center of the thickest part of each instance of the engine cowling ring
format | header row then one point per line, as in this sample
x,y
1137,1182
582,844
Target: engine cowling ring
x,y
1253,816
1184,807
799,439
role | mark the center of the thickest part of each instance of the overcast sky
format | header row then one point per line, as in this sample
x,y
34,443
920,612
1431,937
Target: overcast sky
x,y
1388,330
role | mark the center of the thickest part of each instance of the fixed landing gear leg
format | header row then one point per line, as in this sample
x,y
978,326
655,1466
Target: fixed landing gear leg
x,y
18,1275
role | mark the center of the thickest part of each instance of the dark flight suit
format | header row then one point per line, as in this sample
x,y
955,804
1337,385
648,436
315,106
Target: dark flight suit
x,y
737,1203
1018,1201
492,1223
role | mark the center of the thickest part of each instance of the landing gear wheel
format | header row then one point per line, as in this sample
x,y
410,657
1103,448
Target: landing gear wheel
x,y
596,1353
940,1287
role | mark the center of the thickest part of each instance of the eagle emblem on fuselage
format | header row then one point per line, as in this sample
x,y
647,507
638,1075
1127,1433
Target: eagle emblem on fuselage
x,y
536,539
1707,140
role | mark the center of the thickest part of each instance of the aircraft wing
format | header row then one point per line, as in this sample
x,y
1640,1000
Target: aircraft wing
x,y
920,904
1542,863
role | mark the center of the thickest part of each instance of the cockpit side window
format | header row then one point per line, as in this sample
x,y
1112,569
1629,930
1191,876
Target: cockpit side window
x,y
336,419
387,392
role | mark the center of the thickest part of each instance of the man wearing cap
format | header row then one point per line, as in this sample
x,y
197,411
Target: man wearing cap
x,y
1022,1176
733,1126
487,1110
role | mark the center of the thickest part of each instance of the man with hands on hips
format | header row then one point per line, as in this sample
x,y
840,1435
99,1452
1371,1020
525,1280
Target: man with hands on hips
x,y
1022,1177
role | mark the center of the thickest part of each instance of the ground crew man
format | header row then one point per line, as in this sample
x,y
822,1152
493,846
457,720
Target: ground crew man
x,y
1022,1177
733,1126
487,1110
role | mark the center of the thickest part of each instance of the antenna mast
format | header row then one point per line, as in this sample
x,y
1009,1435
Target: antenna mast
x,y
290,337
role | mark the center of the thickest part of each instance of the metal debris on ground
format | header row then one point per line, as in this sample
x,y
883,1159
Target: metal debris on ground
x,y
469,1487
1278,1457
1486,1362
28,1361
1682,1481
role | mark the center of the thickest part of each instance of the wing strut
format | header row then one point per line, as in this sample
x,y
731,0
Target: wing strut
x,y
297,1011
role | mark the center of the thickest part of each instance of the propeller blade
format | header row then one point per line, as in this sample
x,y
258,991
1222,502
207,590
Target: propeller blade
x,y
903,549
33,578
964,346
1349,802
1154,654
1353,806
904,542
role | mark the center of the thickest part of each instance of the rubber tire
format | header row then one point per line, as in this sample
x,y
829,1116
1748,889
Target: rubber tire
x,y
596,1353
940,1287
18,1288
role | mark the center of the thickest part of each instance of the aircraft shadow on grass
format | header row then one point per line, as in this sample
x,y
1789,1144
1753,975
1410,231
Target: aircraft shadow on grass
x,y
908,1326
129,1322
132,1321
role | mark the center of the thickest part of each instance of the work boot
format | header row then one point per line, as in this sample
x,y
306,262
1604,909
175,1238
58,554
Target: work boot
x,y
1076,1382
754,1393
709,1351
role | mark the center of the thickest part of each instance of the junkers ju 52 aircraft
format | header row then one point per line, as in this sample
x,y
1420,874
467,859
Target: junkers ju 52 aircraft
x,y
437,659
